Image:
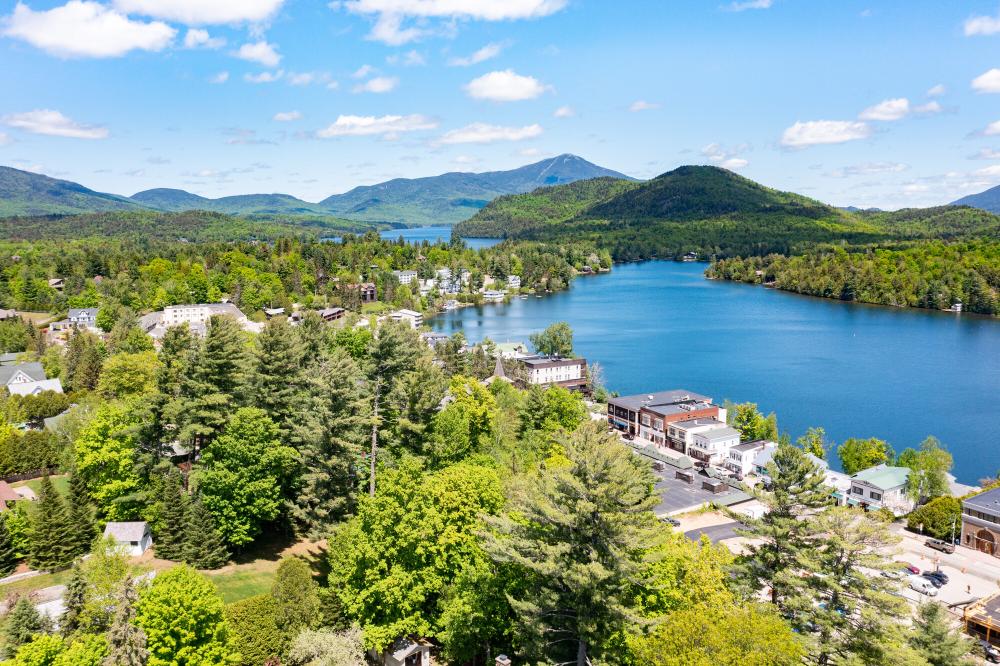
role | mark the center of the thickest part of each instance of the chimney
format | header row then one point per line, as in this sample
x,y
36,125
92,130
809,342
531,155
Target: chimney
x,y
503,660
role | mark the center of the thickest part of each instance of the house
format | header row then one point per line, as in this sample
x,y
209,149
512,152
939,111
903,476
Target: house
x,y
8,314
405,277
57,283
512,350
273,312
134,537
741,457
679,434
406,652
195,317
27,379
77,319
658,410
434,339
981,522
763,459
411,317
494,296
34,388
326,314
882,486
513,281
367,290
570,373
712,446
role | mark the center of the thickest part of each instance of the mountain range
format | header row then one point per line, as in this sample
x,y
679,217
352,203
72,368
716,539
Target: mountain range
x,y
988,200
444,199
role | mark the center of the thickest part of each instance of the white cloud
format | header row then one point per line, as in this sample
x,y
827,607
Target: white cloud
x,y
489,51
380,84
389,28
748,4
986,154
286,116
987,82
937,91
642,105
85,29
412,58
4,139
221,77
260,52
529,152
505,86
363,71
927,109
483,133
374,126
465,160
890,109
982,25
564,112
53,123
818,132
869,169
332,85
264,77
196,37
993,129
307,78
198,12
992,171
727,159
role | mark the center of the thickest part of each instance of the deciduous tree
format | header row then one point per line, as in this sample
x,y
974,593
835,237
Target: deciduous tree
x,y
858,454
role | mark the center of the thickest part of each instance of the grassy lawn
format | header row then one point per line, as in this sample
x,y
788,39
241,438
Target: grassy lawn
x,y
60,482
242,583
34,583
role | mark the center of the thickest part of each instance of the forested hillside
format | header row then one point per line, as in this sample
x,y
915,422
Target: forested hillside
x,y
27,193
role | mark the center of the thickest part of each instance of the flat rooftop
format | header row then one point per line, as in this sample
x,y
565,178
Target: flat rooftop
x,y
671,397
988,502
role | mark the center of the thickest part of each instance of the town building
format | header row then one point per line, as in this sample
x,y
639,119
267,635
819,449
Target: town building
x,y
195,317
742,456
133,537
882,486
712,446
27,379
570,373
411,317
405,277
981,522
624,412
512,350
677,435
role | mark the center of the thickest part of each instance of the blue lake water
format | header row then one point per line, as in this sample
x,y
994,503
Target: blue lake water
x,y
435,235
856,370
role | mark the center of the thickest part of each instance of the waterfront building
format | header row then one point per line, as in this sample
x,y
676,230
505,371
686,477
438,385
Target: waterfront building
x,y
570,373
513,281
679,434
882,486
411,317
741,456
712,446
981,522
625,412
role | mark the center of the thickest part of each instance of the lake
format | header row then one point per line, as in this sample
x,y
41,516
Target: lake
x,y
856,370
435,235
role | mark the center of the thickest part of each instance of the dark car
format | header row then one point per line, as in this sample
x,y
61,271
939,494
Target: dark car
x,y
990,652
935,581
671,521
938,544
940,575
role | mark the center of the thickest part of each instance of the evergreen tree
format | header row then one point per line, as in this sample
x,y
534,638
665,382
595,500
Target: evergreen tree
x,y
296,595
582,533
74,600
22,623
936,639
126,640
48,547
88,371
8,554
313,338
203,546
80,516
783,533
173,511
277,380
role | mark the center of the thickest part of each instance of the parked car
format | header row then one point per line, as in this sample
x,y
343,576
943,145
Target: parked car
x,y
923,586
938,544
991,653
938,574
935,581
670,520
894,574
912,569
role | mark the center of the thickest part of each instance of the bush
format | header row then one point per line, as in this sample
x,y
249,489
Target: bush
x,y
937,517
254,629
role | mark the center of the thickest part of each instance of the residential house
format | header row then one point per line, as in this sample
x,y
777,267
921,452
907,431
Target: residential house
x,y
763,459
882,486
405,652
513,281
570,373
270,313
367,291
77,319
712,446
326,314
674,405
411,317
741,457
195,317
981,522
57,283
27,379
8,314
133,537
405,277
434,339
513,350
494,296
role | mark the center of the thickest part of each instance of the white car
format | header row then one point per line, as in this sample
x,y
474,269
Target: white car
x,y
923,586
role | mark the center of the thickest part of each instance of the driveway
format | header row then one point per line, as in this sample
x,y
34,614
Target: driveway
x,y
715,533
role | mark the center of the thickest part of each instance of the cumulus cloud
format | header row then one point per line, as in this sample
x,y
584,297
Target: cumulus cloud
x,y
505,86
386,126
483,133
488,52
199,38
411,58
642,105
390,14
198,12
260,52
868,169
890,109
937,91
363,71
927,109
748,4
727,159
264,77
221,77
84,29
564,112
818,132
286,116
993,129
379,84
54,123
987,82
982,25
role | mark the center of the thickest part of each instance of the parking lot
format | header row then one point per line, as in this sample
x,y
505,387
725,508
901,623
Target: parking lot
x,y
972,575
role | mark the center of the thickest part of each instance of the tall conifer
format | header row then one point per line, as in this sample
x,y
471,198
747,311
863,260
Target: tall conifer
x,y
203,547
49,547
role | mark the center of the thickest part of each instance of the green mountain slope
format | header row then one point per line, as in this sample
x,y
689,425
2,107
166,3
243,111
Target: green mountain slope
x,y
27,193
945,222
988,200
452,197
240,204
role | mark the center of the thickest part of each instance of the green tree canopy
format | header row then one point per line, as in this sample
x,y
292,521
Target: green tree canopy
x,y
556,340
858,454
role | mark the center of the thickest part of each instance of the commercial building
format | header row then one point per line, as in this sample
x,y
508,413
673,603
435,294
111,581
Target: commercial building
x,y
981,522
657,410
570,373
882,486
195,317
741,457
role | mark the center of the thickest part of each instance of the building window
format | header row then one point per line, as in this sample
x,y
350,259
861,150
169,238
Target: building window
x,y
645,419
857,491
875,496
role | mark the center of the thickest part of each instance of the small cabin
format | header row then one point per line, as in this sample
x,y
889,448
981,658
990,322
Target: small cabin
x,y
407,652
133,537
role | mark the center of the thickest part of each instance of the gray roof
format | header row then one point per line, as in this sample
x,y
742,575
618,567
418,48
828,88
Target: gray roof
x,y
33,370
725,432
671,397
988,501
749,446
764,457
74,313
127,531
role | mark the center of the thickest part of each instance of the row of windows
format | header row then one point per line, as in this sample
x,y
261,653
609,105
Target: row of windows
x,y
981,516
857,490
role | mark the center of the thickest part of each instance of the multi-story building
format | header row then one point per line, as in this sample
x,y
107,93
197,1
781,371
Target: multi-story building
x,y
712,446
626,413
27,379
513,281
195,317
882,486
405,277
981,522
77,319
679,434
570,373
411,317
741,456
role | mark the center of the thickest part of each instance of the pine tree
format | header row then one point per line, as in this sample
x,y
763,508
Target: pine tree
x,y
76,592
22,623
783,533
203,547
937,640
48,547
80,516
277,381
88,370
126,640
173,517
8,555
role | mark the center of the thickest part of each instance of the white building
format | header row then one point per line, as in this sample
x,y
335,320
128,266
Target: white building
x,y
493,296
680,434
133,537
405,277
741,456
195,317
569,373
514,281
882,486
27,379
78,318
411,317
712,446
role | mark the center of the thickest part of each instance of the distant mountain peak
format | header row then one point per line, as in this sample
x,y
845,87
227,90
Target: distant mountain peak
x,y
988,200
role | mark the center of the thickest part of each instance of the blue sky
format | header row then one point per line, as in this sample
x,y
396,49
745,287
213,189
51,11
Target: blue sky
x,y
887,104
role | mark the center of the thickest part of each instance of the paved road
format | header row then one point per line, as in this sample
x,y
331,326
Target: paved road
x,y
715,533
